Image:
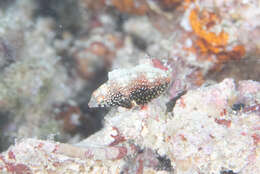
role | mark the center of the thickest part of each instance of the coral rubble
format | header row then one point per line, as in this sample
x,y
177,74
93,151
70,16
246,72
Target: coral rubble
x,y
203,134
179,81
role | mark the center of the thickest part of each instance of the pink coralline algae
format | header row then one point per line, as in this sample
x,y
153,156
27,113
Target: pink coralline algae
x,y
134,86
213,129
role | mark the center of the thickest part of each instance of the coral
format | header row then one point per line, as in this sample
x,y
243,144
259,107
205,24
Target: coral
x,y
209,42
72,118
27,78
169,4
74,21
94,5
27,86
204,135
75,121
96,53
160,62
207,20
139,7
172,4
142,7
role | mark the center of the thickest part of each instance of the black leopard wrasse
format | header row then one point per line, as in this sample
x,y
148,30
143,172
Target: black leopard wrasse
x,y
133,86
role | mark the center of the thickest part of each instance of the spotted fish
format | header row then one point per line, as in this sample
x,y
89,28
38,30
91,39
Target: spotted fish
x,y
133,86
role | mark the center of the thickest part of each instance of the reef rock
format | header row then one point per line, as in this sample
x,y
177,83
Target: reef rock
x,y
212,129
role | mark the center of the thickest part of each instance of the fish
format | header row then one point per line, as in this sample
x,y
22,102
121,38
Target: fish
x,y
128,87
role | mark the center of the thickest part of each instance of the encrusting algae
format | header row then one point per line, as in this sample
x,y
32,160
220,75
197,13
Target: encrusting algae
x,y
208,42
